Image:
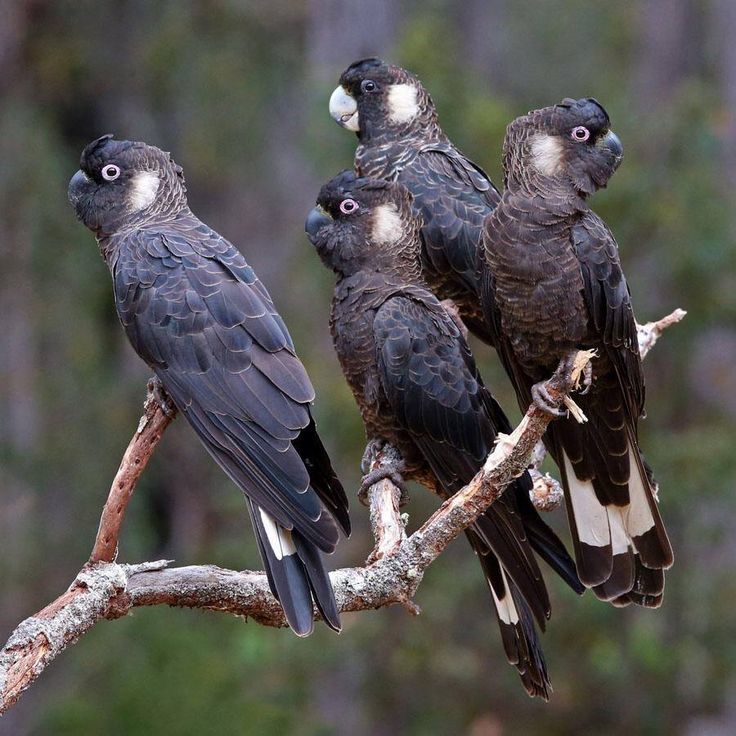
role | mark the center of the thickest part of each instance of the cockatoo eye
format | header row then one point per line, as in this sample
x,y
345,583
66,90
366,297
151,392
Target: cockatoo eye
x,y
348,206
110,172
367,85
580,133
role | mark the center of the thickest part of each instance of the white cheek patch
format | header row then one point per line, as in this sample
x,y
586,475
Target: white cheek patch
x,y
387,225
402,103
546,154
143,189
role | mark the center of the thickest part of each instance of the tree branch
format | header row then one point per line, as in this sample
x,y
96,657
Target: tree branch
x,y
650,332
150,430
104,589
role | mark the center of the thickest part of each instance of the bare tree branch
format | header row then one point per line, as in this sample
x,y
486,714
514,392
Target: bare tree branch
x,y
384,500
150,429
650,332
104,589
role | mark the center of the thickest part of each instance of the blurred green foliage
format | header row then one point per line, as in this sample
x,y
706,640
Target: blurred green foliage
x,y
238,92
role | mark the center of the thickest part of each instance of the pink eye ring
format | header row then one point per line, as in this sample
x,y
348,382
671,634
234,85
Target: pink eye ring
x,y
110,172
348,206
580,133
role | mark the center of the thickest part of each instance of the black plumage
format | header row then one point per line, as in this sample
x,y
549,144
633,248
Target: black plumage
x,y
554,285
401,140
417,386
197,314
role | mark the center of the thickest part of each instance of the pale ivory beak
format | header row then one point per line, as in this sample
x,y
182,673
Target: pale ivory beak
x,y
344,109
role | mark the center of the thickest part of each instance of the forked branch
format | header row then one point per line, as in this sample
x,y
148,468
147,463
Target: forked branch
x,y
105,589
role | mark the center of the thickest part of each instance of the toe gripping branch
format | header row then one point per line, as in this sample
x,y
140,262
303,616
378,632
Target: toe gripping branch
x,y
108,590
158,394
382,461
550,396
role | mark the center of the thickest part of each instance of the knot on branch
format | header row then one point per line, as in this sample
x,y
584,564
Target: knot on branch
x,y
547,493
102,576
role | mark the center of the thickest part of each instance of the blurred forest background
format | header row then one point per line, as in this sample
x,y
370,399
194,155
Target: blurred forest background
x,y
238,92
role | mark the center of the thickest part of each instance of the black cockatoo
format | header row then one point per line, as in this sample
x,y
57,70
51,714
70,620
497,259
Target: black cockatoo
x,y
555,285
197,314
400,140
417,386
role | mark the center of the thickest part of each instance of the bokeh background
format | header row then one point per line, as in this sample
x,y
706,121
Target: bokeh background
x,y
238,92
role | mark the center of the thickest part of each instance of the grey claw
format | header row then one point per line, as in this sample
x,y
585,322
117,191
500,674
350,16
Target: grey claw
x,y
385,472
587,379
161,397
370,454
542,399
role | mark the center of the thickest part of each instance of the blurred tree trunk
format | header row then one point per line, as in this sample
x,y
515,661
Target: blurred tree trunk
x,y
664,55
12,33
724,26
19,389
483,26
340,32
19,359
667,45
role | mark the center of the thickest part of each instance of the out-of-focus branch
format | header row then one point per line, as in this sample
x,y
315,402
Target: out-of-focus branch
x,y
650,332
104,589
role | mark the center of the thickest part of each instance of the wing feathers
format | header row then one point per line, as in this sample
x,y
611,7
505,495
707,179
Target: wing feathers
x,y
614,544
195,311
516,623
429,377
285,571
643,519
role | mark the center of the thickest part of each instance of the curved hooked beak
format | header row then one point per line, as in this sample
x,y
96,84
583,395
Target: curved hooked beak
x,y
80,187
613,144
316,220
344,109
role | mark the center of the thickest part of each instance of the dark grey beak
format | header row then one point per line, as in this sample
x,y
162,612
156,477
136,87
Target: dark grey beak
x,y
78,186
316,220
613,143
